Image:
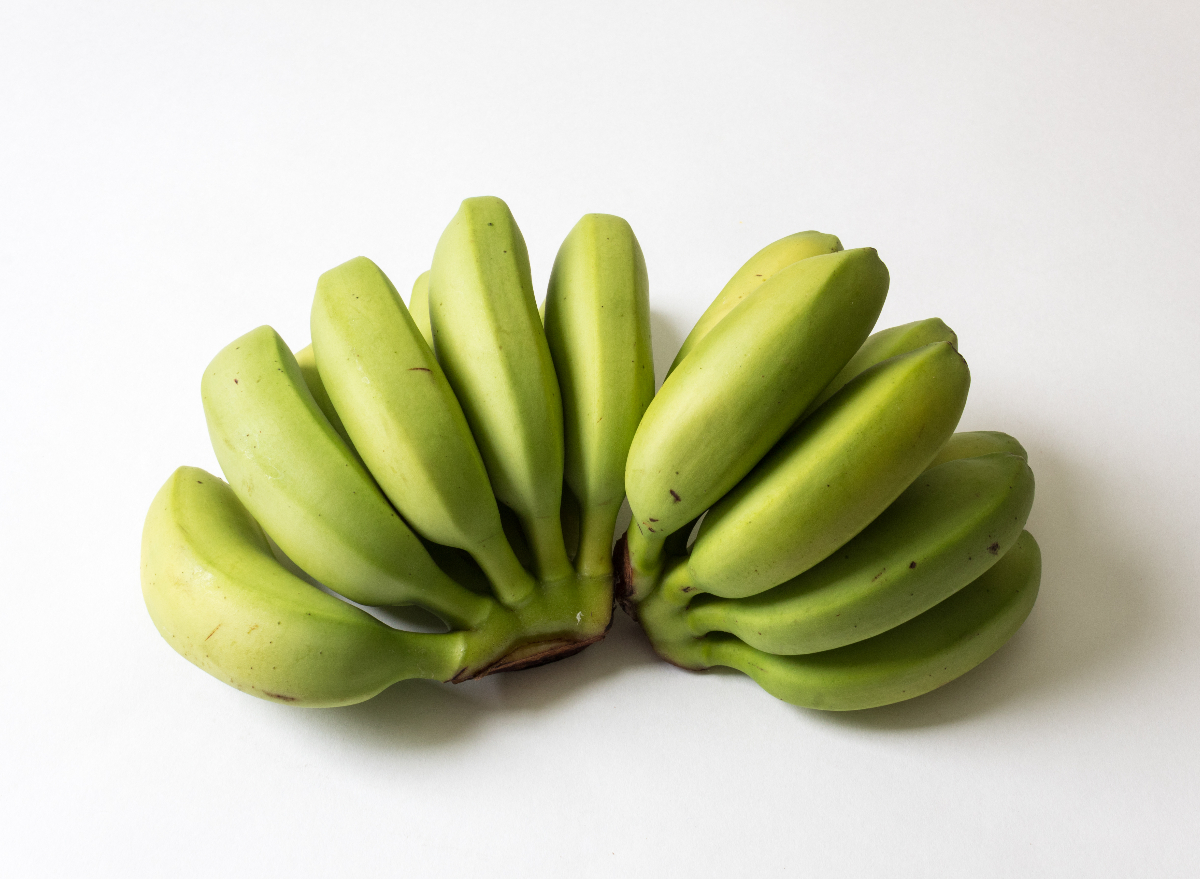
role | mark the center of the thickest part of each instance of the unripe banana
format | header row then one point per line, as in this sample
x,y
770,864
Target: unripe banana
x,y
490,342
218,597
405,420
942,533
928,651
418,306
309,491
831,478
976,443
883,346
756,271
740,389
598,329
307,362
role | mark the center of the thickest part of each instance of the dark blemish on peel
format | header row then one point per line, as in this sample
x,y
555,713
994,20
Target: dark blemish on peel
x,y
652,520
994,549
912,565
279,696
690,588
674,495
418,369
235,381
214,631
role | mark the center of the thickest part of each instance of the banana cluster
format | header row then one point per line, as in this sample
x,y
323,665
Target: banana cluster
x,y
456,455
852,550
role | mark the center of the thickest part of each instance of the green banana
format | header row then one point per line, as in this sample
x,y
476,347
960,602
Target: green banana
x,y
405,421
924,653
976,443
942,533
418,306
883,346
598,329
739,390
756,271
491,345
831,478
307,362
296,475
220,599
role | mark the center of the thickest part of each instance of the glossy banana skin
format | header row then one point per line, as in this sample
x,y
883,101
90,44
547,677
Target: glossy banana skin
x,y
740,389
928,651
597,323
943,532
831,478
219,598
405,421
489,341
756,271
310,492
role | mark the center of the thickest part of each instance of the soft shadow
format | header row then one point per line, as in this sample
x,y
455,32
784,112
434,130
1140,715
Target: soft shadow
x,y
666,338
1094,614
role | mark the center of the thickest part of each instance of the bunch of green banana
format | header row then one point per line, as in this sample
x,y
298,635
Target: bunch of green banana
x,y
413,456
852,550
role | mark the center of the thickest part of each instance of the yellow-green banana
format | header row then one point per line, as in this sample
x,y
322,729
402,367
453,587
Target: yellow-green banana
x,y
405,421
831,478
952,524
418,306
928,651
490,342
757,270
975,443
598,329
740,389
221,600
310,492
307,362
883,346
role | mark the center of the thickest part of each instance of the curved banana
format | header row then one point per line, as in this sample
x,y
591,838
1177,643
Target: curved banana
x,y
942,533
405,421
740,389
219,598
928,651
310,492
307,362
976,443
418,307
490,343
598,329
756,270
882,346
831,478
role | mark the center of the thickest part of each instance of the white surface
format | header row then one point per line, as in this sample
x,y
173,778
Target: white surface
x,y
172,175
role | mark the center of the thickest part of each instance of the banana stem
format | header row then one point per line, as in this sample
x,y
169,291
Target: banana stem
x,y
511,583
645,559
545,538
597,524
436,657
458,606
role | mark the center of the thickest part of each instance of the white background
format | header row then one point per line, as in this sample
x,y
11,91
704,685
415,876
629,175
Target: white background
x,y
173,175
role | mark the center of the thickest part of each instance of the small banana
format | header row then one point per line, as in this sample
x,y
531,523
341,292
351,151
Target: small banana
x,y
976,443
490,343
307,362
831,478
928,651
311,493
418,306
756,271
405,420
598,329
739,390
942,533
219,598
883,346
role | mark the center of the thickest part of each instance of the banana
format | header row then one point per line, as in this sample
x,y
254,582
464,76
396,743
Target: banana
x,y
307,362
219,598
831,478
491,345
739,390
943,532
928,651
756,271
976,443
300,480
883,346
597,319
418,306
405,421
